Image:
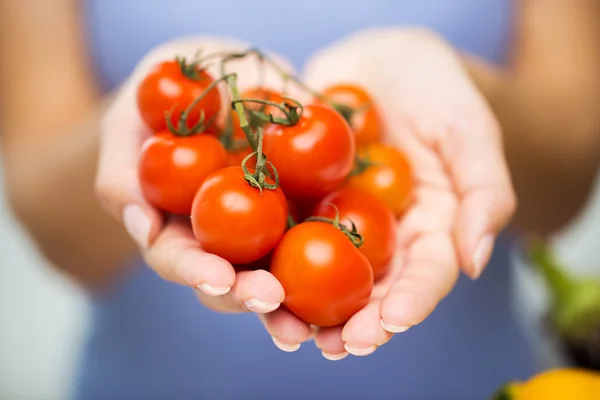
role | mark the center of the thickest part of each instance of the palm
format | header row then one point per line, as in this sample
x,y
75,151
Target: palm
x,y
424,268
462,195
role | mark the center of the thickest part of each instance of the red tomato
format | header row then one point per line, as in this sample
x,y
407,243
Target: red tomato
x,y
169,86
314,156
390,179
172,168
373,220
366,121
236,221
325,278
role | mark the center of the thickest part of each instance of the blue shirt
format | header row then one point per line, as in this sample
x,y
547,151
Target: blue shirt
x,y
153,340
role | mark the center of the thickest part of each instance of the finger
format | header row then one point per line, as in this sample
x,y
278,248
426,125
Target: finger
x,y
329,341
363,333
256,291
117,186
486,196
177,257
286,330
429,273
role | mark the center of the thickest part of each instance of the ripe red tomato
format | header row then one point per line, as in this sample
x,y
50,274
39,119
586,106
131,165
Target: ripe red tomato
x,y
373,220
236,221
325,278
174,86
314,156
366,122
390,179
172,168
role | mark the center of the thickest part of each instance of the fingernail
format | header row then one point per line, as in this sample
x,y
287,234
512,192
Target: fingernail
x,y
394,328
334,357
259,307
360,352
137,224
288,348
483,251
213,291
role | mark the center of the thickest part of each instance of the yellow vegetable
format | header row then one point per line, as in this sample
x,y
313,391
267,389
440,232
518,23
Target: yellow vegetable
x,y
555,384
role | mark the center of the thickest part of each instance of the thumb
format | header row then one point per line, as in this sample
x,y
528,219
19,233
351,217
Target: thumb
x,y
117,185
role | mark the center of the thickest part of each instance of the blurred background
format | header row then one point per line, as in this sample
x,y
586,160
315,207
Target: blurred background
x,y
42,319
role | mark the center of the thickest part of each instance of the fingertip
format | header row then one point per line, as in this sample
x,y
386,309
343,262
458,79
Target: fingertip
x,y
143,223
208,272
401,309
329,341
363,333
285,327
393,328
258,290
481,255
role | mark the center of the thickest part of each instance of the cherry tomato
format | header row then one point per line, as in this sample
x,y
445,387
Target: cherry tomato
x,y
373,220
172,168
314,156
325,278
236,221
173,86
366,121
389,179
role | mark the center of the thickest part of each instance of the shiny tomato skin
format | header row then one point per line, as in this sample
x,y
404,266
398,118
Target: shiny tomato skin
x,y
367,123
166,88
325,278
234,220
373,220
390,179
314,156
172,168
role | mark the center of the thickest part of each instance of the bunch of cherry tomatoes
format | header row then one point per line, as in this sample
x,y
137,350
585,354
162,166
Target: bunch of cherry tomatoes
x,y
308,192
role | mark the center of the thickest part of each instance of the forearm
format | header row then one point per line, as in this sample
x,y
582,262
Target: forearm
x,y
50,187
547,102
553,149
51,192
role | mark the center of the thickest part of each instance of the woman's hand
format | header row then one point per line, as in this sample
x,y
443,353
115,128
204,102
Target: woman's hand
x,y
169,246
463,192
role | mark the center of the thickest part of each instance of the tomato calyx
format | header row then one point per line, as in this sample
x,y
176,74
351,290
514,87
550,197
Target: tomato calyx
x,y
182,128
191,70
352,234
